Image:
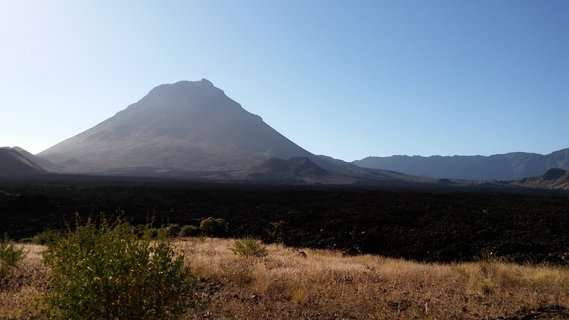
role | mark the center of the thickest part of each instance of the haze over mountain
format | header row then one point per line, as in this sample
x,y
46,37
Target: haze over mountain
x,y
188,125
191,129
510,166
14,164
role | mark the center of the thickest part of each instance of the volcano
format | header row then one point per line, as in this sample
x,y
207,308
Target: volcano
x,y
189,125
192,130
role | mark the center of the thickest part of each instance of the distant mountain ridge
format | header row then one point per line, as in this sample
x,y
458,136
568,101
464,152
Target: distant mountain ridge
x,y
15,164
510,166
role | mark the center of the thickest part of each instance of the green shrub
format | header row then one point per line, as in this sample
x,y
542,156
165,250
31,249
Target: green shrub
x,y
46,237
155,233
10,256
189,231
213,227
276,231
173,230
105,271
248,248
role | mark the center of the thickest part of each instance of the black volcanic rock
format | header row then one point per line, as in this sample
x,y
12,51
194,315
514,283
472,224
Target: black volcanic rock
x,y
14,164
510,166
188,125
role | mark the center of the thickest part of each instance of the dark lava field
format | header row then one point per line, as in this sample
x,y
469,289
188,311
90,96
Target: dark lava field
x,y
436,225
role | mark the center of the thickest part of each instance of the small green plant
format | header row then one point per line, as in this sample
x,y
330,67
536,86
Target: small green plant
x,y
276,231
10,256
104,271
213,227
155,233
173,230
485,280
46,237
248,247
189,231
299,296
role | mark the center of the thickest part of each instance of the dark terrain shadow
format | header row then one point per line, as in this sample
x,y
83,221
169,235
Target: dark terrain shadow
x,y
445,225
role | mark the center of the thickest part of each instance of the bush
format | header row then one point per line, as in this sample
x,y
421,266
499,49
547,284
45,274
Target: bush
x,y
46,237
249,248
106,272
173,230
276,231
10,256
189,231
155,233
213,227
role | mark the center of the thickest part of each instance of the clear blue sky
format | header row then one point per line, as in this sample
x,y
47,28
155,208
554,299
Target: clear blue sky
x,y
342,78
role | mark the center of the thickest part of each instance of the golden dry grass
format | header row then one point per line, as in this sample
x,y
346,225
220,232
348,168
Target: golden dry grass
x,y
22,287
327,285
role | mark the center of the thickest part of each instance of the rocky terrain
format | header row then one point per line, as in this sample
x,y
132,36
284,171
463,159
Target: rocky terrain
x,y
554,178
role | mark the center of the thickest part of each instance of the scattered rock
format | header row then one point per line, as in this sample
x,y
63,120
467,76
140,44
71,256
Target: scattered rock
x,y
399,305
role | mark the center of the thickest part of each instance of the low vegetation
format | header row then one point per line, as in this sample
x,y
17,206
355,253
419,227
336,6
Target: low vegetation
x,y
10,256
189,231
104,271
46,237
320,284
248,247
214,227
309,284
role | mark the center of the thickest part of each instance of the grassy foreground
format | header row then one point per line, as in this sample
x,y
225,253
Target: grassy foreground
x,y
318,284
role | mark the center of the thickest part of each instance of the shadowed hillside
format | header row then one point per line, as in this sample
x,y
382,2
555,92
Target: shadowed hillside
x,y
553,179
14,164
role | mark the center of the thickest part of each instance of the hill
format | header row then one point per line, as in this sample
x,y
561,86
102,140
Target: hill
x,y
554,178
295,170
46,164
510,166
14,164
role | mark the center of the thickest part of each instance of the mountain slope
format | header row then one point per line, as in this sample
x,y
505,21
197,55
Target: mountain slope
x,y
14,164
47,165
554,178
510,166
187,125
294,170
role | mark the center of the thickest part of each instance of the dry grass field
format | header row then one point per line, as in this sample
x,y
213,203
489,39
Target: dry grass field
x,y
287,284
